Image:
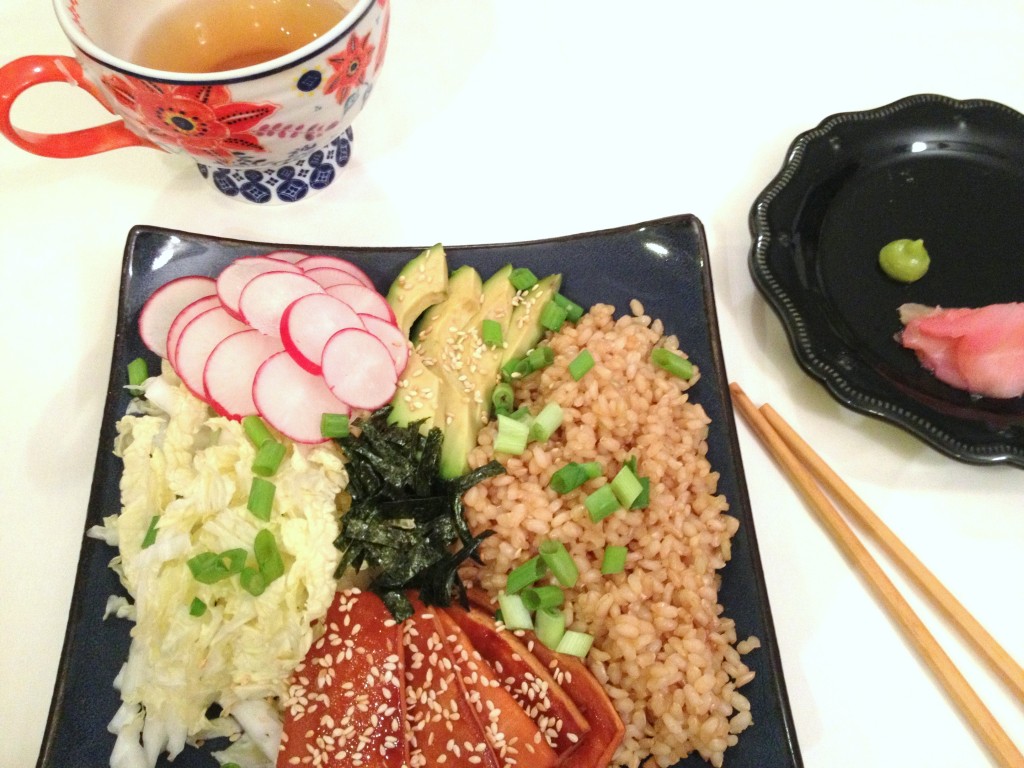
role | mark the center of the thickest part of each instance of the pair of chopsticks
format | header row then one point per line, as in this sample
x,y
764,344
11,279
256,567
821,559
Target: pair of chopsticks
x,y
807,469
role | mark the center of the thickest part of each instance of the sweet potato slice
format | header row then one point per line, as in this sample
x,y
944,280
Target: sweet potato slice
x,y
345,701
525,677
443,726
515,736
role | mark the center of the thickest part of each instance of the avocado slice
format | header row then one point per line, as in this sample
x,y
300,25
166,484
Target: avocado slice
x,y
433,335
421,284
418,395
525,329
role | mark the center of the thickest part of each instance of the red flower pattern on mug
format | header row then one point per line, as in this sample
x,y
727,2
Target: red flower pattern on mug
x,y
350,67
201,119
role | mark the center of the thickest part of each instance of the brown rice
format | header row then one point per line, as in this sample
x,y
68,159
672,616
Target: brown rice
x,y
663,648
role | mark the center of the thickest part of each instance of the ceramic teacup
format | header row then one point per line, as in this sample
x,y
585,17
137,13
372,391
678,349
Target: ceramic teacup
x,y
275,131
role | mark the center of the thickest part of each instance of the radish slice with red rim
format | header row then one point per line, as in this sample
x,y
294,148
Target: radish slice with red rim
x,y
231,369
365,301
396,342
309,322
291,257
293,400
314,262
358,369
182,320
236,275
264,298
204,332
164,305
329,276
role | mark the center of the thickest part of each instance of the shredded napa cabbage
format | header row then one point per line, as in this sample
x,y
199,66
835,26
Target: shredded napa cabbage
x,y
192,469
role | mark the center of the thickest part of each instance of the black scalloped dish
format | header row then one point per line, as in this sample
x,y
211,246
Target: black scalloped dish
x,y
949,172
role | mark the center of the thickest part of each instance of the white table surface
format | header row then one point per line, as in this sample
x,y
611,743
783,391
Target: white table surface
x,y
500,121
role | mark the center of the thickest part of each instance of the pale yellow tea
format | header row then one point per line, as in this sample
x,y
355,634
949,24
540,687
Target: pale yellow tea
x,y
218,35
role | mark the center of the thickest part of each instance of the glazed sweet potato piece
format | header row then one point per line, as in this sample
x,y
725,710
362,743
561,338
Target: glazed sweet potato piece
x,y
345,701
515,736
524,676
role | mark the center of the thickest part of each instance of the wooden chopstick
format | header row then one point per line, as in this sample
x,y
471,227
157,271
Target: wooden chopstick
x,y
998,659
971,706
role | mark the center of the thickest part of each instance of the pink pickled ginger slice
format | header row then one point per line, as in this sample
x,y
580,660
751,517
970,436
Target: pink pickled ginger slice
x,y
979,350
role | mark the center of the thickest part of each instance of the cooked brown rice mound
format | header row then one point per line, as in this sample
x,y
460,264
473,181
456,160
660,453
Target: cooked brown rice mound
x,y
663,648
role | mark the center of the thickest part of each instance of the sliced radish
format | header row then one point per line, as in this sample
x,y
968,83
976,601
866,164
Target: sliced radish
x,y
183,318
292,400
231,369
238,273
328,276
365,301
204,332
165,303
314,262
290,256
264,298
309,322
358,369
395,341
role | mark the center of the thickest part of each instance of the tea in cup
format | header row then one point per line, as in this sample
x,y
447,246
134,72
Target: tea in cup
x,y
260,93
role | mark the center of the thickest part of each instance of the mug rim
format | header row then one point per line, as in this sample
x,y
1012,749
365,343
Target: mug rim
x,y
84,45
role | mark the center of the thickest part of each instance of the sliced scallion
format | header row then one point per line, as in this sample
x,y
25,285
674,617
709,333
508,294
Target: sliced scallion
x,y
524,575
261,498
614,560
268,556
546,596
514,613
644,498
522,279
334,425
540,357
568,478
516,368
522,413
550,626
580,364
546,422
197,608
490,333
575,643
672,362
150,538
256,430
252,581
592,468
559,562
512,436
601,503
138,372
503,398
626,486
211,567
552,316
573,310
268,458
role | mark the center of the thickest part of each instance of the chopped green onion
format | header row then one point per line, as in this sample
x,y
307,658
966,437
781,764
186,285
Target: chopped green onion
x,y
210,567
150,538
575,643
490,333
550,626
268,458
552,316
334,425
540,357
547,596
261,498
559,562
592,468
522,279
614,560
674,363
512,436
524,575
516,368
503,398
138,372
573,310
601,503
546,422
256,430
197,608
252,581
642,500
626,487
568,478
580,364
268,556
514,613
522,413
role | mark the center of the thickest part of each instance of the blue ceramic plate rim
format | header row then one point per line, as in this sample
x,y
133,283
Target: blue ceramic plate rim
x,y
844,369
677,277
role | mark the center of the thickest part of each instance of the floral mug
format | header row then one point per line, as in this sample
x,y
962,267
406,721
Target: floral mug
x,y
271,132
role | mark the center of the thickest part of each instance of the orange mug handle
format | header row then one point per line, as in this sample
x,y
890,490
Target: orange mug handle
x,y
21,74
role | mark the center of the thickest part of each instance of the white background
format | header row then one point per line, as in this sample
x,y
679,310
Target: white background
x,y
496,122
